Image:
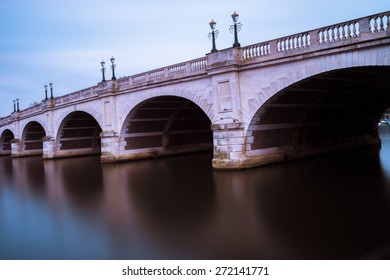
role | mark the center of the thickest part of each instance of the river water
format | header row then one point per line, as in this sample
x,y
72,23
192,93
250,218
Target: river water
x,y
330,207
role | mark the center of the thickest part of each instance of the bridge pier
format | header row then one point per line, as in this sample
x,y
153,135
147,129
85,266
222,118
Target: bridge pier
x,y
49,148
110,143
5,153
229,145
15,148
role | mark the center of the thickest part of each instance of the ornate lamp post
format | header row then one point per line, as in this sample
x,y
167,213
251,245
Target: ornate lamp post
x,y
45,92
17,105
113,68
51,90
213,34
235,28
103,70
14,106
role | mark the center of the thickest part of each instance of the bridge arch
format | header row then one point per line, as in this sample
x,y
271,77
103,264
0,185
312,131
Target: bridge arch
x,y
31,141
5,142
90,109
331,110
78,134
165,125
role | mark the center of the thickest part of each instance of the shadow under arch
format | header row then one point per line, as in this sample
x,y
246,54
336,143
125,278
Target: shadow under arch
x,y
78,134
32,142
165,125
5,142
335,110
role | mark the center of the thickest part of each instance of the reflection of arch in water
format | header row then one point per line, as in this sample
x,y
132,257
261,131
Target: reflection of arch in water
x,y
308,214
75,182
174,209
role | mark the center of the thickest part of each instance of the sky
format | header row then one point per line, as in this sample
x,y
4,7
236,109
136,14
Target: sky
x,y
63,42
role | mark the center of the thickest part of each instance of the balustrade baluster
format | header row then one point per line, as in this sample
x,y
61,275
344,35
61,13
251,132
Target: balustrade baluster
x,y
388,21
342,35
349,31
381,24
354,31
375,24
371,25
337,35
332,34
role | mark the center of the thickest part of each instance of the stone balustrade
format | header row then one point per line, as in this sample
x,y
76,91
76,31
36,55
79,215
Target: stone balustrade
x,y
379,22
76,96
318,39
189,68
340,32
294,42
257,50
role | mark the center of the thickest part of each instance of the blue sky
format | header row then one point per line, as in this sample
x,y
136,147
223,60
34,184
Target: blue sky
x,y
63,42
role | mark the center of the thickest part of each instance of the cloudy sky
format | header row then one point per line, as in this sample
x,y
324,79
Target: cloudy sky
x,y
63,42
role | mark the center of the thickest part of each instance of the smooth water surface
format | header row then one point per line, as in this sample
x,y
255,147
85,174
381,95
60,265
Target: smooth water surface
x,y
331,207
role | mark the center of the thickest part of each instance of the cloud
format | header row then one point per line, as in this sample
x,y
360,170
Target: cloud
x,y
64,41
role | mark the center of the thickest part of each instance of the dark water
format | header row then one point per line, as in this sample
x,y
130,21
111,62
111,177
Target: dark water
x,y
331,207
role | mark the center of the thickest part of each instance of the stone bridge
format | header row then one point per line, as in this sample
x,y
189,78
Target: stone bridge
x,y
309,93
